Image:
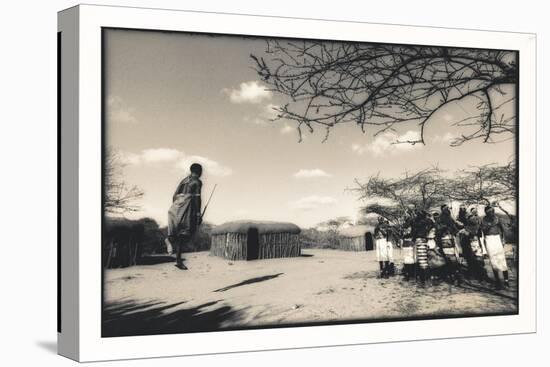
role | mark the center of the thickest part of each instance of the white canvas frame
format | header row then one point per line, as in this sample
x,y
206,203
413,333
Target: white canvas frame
x,y
80,338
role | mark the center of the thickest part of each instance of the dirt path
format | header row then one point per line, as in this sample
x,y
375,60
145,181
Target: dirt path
x,y
320,286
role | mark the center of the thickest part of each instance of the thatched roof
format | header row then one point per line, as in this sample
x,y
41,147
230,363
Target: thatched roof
x,y
242,226
116,221
355,231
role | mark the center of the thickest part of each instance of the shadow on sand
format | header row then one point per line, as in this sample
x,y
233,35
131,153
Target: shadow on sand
x,y
131,318
249,281
156,259
468,285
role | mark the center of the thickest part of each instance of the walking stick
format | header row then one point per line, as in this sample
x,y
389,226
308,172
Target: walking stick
x,y
208,202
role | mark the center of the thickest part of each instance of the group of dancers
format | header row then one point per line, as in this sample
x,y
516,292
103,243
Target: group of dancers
x,y
433,244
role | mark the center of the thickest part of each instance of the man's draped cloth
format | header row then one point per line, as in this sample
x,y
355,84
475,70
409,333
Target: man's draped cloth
x,y
183,215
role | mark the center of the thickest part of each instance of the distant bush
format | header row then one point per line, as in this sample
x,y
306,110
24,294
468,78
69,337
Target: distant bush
x,y
126,241
313,238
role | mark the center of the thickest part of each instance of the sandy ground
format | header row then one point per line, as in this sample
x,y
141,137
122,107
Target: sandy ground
x,y
321,286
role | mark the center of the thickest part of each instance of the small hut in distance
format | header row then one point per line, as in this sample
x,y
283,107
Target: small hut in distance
x,y
251,240
357,238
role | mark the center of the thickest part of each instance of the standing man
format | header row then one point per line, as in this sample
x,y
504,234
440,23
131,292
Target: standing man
x,y
184,216
462,237
392,239
381,241
476,263
493,231
407,250
462,213
420,230
446,230
436,259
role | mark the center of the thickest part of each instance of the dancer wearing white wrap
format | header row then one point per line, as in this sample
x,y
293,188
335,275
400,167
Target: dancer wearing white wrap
x,y
493,232
382,247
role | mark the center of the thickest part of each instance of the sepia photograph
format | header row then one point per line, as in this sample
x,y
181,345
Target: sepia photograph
x,y
260,182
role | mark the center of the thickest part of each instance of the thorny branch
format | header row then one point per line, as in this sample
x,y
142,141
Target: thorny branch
x,y
381,85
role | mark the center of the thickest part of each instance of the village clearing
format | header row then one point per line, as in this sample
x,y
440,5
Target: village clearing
x,y
318,287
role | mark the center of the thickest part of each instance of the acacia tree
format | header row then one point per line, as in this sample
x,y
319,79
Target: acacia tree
x,y
393,213
423,190
385,85
429,188
488,184
332,227
120,198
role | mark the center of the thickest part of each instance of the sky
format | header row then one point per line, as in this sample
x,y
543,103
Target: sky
x,y
176,98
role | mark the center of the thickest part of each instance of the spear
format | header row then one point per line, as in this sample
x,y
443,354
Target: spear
x,y
208,202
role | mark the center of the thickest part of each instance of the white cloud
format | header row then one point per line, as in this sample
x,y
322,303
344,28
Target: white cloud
x,y
248,92
210,166
386,143
178,158
359,149
119,112
445,138
409,136
286,129
152,156
312,202
151,211
311,173
265,116
270,111
131,159
448,117
160,155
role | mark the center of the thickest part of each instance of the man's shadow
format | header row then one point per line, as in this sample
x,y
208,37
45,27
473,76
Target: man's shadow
x,y
249,281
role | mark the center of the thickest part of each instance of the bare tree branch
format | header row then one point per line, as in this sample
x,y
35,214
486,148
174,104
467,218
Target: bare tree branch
x,y
381,85
423,190
429,188
488,184
119,197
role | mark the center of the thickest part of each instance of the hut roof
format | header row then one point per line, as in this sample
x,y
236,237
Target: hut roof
x,y
118,223
355,231
242,226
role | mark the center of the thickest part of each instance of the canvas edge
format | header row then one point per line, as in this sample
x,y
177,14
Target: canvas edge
x,y
68,189
527,154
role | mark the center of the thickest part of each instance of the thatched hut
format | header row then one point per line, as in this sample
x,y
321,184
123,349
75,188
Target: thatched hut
x,y
122,242
251,240
357,238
